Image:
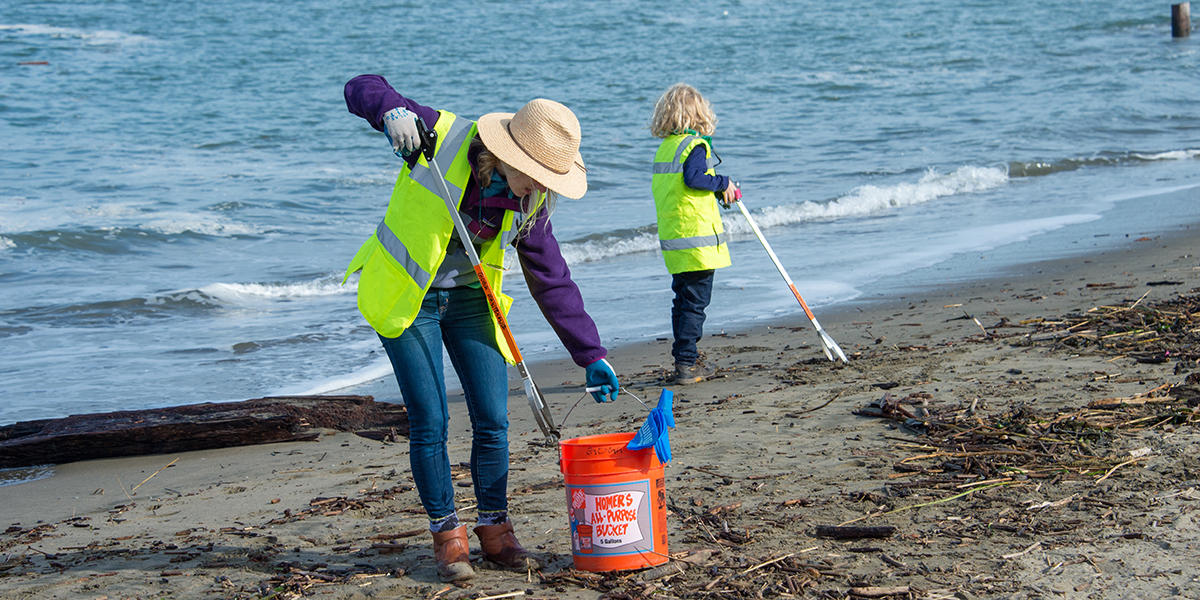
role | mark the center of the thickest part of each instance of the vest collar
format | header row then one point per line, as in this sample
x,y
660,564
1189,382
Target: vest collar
x,y
707,138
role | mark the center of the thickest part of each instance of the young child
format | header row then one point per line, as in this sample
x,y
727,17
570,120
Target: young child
x,y
690,231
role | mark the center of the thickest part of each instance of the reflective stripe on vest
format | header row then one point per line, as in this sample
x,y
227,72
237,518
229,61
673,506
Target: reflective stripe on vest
x,y
427,177
699,241
676,165
396,248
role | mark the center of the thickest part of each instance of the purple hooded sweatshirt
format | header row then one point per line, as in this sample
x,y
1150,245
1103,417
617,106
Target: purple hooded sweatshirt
x,y
546,272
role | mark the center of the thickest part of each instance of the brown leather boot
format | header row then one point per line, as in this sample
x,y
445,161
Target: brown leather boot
x,y
452,553
500,546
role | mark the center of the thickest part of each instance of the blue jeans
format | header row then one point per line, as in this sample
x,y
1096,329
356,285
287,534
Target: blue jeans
x,y
460,319
693,291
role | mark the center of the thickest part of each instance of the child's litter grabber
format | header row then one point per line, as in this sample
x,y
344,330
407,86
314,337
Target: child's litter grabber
x,y
827,344
537,402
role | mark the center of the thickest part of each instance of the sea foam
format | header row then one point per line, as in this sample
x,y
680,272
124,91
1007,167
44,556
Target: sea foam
x,y
859,202
1169,155
376,370
185,223
238,293
96,36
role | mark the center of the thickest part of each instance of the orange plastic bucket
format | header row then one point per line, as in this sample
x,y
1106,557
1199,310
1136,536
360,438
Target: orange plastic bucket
x,y
616,501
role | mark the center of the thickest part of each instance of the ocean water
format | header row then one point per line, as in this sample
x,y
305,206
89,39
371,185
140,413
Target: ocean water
x,y
181,185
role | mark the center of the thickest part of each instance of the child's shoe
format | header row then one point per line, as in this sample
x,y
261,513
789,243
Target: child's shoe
x,y
693,373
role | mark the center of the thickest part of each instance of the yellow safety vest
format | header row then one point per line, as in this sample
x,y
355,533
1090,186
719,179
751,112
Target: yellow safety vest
x,y
399,261
690,232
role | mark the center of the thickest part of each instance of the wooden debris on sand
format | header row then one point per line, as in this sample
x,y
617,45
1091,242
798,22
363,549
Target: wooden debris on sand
x,y
1145,332
1023,442
964,449
191,427
853,533
707,575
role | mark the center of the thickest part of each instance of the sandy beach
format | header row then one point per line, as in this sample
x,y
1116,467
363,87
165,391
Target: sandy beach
x,y
995,449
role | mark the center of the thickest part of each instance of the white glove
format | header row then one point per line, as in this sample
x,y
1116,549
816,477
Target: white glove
x,y
401,128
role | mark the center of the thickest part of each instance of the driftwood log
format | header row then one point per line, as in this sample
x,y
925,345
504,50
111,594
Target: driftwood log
x,y
191,427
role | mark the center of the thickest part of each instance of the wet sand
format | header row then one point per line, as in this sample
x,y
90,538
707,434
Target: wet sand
x,y
765,451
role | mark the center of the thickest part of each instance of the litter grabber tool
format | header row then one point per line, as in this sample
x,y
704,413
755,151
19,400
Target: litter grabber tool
x,y
537,402
827,344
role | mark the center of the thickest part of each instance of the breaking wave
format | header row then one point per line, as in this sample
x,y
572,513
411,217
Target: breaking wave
x,y
860,202
238,293
207,299
1112,159
96,36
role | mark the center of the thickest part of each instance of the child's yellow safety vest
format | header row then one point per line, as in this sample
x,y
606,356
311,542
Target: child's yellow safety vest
x,y
690,232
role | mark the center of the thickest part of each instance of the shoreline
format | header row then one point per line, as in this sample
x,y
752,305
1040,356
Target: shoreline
x,y
768,447
830,317
840,321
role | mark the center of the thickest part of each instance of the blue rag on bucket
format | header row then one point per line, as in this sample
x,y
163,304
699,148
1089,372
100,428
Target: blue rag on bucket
x,y
654,430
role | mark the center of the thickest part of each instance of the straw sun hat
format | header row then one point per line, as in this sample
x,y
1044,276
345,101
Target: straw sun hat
x,y
542,141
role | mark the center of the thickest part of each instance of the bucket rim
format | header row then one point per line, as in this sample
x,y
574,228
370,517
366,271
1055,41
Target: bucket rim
x,y
601,439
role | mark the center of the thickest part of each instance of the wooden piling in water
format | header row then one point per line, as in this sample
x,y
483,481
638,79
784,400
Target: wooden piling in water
x,y
1181,21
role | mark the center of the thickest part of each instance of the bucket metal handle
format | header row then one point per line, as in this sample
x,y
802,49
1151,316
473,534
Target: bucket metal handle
x,y
596,389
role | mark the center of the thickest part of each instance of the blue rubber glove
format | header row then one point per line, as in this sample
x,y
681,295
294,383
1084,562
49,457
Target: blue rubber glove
x,y
654,431
602,381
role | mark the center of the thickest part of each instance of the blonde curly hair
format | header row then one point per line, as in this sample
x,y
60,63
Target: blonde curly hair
x,y
682,107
